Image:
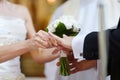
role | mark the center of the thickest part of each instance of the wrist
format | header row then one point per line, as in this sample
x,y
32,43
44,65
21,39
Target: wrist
x,y
31,45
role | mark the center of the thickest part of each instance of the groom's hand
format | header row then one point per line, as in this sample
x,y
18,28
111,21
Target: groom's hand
x,y
64,42
77,66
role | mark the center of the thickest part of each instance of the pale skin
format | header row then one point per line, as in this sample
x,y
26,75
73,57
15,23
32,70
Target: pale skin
x,y
65,44
38,46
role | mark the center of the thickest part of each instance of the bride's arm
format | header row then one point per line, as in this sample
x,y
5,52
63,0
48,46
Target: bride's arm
x,y
39,55
8,52
11,51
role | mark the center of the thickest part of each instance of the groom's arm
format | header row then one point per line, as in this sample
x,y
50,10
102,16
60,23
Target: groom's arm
x,y
91,50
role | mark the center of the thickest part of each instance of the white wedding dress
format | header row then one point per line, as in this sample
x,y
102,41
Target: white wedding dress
x,y
12,30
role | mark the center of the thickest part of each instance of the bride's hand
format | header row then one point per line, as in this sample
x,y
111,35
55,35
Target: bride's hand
x,y
43,40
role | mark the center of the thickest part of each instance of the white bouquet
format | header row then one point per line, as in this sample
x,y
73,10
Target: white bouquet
x,y
64,25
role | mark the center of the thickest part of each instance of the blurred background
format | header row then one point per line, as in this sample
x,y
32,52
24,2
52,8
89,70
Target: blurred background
x,y
41,12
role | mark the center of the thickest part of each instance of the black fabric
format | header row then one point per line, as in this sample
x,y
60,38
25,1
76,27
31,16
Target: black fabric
x,y
90,50
114,52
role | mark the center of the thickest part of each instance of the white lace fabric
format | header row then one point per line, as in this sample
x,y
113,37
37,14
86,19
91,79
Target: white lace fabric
x,y
12,30
9,76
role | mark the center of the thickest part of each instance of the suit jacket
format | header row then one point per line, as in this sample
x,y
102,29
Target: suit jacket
x,y
91,50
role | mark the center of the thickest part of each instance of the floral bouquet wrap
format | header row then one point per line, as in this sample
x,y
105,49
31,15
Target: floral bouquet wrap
x,y
64,25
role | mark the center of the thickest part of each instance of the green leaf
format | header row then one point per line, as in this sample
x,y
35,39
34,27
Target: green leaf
x,y
61,29
46,29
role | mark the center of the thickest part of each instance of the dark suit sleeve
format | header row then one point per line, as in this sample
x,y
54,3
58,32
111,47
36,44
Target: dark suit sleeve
x,y
90,49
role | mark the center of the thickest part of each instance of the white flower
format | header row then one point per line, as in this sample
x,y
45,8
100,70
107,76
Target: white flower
x,y
51,27
67,20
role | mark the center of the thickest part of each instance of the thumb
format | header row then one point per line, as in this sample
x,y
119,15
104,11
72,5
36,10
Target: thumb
x,y
64,36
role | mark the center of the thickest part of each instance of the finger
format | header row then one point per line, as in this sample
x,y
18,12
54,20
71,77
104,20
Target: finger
x,y
41,42
65,36
58,63
75,70
58,39
51,41
47,42
43,35
39,45
34,44
56,51
50,44
72,65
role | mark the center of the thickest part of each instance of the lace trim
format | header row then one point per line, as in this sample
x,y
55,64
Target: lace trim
x,y
12,77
